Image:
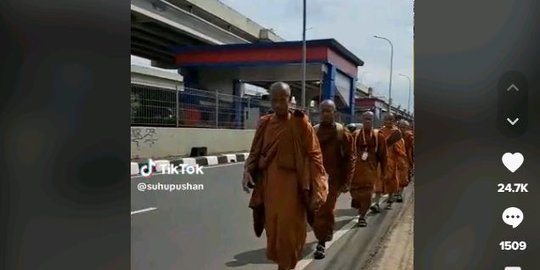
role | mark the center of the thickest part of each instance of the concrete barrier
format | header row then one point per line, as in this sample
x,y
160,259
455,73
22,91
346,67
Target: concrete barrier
x,y
155,142
134,168
161,165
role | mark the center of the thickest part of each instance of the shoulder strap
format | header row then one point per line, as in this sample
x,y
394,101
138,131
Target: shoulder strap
x,y
339,128
316,127
376,134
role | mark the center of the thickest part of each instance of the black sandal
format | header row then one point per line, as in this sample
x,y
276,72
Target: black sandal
x,y
362,222
319,253
375,208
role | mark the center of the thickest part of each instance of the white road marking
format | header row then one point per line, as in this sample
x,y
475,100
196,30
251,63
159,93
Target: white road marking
x,y
204,168
143,210
337,235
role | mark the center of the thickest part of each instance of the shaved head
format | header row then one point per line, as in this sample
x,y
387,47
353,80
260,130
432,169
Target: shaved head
x,y
368,114
389,120
329,103
328,112
278,87
389,116
280,95
403,123
367,120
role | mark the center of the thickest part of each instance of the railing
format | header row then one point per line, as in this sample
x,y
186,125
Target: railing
x,y
188,107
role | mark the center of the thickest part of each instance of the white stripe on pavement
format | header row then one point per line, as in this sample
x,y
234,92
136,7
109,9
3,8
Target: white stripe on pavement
x,y
143,210
337,235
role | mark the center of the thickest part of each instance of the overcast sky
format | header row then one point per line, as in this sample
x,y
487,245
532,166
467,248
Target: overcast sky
x,y
353,24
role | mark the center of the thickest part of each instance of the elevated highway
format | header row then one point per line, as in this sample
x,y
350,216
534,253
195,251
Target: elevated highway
x,y
158,25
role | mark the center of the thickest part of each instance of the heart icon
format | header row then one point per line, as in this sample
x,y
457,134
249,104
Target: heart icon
x,y
512,161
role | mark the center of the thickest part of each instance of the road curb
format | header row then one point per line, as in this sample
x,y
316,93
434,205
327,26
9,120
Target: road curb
x,y
202,161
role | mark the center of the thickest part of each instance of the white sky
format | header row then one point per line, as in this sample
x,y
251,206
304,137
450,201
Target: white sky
x,y
353,24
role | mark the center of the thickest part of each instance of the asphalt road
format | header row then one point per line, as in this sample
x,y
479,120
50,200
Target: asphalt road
x,y
211,229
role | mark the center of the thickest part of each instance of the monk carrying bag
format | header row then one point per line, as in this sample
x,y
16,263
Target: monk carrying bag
x,y
340,130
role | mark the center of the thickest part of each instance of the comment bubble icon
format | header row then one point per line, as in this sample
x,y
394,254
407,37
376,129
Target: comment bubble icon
x,y
512,216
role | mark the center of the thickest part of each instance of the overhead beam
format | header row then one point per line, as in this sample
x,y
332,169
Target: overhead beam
x,y
187,23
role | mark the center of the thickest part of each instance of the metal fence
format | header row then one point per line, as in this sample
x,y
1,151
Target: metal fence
x,y
188,107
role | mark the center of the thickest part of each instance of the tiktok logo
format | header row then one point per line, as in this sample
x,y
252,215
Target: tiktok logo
x,y
146,170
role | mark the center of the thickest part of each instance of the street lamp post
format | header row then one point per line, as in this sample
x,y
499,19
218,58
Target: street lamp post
x,y
409,103
304,58
391,63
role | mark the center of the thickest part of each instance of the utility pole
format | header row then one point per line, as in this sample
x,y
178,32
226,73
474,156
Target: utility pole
x,y
391,67
304,58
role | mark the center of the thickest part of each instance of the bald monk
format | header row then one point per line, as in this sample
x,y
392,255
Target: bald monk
x,y
285,170
408,137
371,155
337,147
392,176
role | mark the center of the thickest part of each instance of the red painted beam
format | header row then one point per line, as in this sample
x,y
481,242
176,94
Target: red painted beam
x,y
251,56
266,55
342,63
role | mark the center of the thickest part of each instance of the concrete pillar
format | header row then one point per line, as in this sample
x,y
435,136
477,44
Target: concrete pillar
x,y
238,108
328,84
352,100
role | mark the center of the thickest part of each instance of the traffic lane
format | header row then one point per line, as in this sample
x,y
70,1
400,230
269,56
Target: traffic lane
x,y
193,229
145,199
356,248
210,229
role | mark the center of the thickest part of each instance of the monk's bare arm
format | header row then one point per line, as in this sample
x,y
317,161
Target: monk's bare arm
x,y
350,154
255,151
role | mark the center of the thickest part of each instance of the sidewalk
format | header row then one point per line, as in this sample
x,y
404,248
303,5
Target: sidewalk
x,y
203,161
397,251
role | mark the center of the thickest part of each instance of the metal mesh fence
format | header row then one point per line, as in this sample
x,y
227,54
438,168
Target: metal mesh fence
x,y
187,107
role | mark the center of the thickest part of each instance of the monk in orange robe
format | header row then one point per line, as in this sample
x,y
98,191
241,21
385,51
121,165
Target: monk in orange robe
x,y
285,170
393,179
337,145
371,155
408,137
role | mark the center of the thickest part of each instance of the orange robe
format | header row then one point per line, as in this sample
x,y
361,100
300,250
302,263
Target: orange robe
x,y
393,176
409,149
338,159
366,172
280,189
